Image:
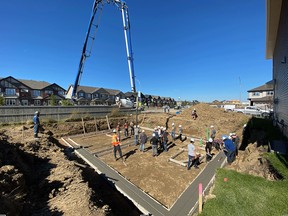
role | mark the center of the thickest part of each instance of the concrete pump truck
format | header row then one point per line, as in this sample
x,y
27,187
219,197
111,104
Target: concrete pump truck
x,y
89,40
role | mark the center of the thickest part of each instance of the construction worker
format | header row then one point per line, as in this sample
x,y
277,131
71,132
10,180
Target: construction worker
x,y
212,132
208,149
143,140
173,131
116,144
165,139
36,124
191,155
229,149
136,134
131,128
194,114
154,142
126,129
180,133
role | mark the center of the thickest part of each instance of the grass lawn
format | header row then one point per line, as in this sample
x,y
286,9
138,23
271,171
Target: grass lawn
x,y
244,194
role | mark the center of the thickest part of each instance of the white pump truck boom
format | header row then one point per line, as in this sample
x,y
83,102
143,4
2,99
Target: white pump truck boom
x,y
90,37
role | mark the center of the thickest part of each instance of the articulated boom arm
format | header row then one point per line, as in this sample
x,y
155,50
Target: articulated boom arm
x,y
98,4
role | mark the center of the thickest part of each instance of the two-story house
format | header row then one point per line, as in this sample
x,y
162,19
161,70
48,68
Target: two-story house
x,y
277,49
262,96
29,92
87,95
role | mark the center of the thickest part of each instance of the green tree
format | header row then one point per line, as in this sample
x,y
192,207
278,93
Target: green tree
x,y
66,103
53,101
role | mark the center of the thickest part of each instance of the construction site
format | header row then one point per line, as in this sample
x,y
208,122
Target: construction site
x,y
70,168
50,174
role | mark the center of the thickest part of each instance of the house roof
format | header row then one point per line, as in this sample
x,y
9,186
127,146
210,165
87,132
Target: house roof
x,y
273,10
269,86
113,91
33,84
87,89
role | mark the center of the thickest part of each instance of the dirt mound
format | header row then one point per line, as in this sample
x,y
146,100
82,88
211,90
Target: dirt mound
x,y
36,178
252,162
223,122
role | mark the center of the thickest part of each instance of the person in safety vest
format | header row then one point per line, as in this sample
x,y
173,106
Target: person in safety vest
x,y
116,145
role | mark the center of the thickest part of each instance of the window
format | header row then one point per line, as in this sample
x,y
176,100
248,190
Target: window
x,y
60,92
89,96
24,102
37,102
96,95
81,94
36,93
10,102
24,90
270,93
10,91
256,94
48,92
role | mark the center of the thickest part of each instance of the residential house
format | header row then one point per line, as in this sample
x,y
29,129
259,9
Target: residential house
x,y
87,95
262,96
277,49
29,92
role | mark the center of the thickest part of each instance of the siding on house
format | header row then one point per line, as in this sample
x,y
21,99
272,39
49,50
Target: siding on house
x,y
280,70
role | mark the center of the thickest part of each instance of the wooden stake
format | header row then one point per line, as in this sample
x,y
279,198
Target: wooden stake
x,y
95,123
83,125
108,122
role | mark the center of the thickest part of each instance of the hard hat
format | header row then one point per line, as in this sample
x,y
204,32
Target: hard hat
x,y
192,139
211,126
153,134
158,127
210,140
114,130
180,125
173,123
143,131
37,112
164,128
244,125
224,137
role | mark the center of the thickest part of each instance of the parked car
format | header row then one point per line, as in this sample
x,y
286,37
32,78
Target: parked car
x,y
229,107
253,110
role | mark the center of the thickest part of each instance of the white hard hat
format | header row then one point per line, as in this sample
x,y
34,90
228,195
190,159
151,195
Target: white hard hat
x,y
192,139
153,134
224,137
180,125
210,140
164,128
114,130
36,112
211,126
173,123
244,125
158,127
143,131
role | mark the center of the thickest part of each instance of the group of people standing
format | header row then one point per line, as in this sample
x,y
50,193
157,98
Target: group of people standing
x,y
159,142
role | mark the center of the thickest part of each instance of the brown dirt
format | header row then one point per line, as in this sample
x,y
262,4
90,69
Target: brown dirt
x,y
40,177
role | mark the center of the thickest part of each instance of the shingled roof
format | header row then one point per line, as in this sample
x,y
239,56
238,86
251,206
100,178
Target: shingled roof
x,y
35,84
269,86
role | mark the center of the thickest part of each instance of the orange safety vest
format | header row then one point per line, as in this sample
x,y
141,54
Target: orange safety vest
x,y
115,140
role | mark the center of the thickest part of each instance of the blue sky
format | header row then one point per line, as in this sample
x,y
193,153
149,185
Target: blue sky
x,y
196,50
